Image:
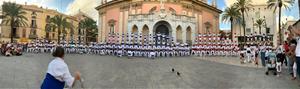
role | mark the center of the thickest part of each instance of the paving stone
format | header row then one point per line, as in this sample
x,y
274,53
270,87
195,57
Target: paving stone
x,y
28,71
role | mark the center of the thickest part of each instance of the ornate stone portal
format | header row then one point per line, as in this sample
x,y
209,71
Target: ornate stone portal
x,y
182,20
166,23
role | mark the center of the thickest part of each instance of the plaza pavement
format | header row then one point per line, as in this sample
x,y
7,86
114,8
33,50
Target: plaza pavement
x,y
107,72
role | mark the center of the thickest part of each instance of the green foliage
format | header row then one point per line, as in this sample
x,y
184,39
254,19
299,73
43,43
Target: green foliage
x,y
13,15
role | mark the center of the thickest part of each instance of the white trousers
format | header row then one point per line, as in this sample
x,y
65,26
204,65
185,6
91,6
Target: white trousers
x,y
278,66
295,69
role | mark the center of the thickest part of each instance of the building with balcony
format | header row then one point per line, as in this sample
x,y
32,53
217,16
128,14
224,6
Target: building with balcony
x,y
39,26
268,31
182,20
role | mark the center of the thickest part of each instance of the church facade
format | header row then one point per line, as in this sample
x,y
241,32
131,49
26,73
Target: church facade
x,y
182,20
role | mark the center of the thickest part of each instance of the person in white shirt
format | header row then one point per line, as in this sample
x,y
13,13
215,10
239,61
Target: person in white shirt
x,y
58,73
297,51
248,53
280,57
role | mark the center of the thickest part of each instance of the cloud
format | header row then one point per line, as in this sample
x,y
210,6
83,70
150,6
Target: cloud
x,y
85,6
254,2
287,18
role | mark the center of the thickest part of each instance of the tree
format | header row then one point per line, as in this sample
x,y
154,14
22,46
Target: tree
x,y
13,15
259,23
243,6
90,27
231,14
61,23
279,4
49,28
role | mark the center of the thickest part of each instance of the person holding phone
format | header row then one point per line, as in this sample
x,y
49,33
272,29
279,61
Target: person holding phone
x,y
58,73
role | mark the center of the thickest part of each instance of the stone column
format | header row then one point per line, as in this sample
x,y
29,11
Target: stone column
x,y
150,26
99,28
193,34
140,28
120,30
129,28
103,30
184,34
174,35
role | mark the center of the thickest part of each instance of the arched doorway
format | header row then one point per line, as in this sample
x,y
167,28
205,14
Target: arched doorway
x,y
163,32
189,35
135,32
179,34
145,33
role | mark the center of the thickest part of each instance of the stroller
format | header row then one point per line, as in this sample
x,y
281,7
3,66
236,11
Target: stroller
x,y
271,64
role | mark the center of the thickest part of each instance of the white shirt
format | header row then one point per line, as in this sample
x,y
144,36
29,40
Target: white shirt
x,y
280,49
59,69
297,51
263,48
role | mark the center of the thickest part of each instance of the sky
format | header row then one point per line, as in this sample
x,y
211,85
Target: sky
x,y
71,7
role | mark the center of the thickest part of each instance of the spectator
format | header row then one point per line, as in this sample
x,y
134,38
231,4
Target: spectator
x,y
297,50
248,53
8,53
262,54
58,72
286,49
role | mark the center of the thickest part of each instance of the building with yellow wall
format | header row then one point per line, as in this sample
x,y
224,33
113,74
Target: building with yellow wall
x,y
39,26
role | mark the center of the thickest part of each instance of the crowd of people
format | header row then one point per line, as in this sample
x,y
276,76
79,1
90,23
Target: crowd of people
x,y
275,59
272,58
145,46
10,49
138,46
132,50
214,45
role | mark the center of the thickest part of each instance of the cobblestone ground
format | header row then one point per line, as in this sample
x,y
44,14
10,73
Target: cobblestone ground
x,y
28,71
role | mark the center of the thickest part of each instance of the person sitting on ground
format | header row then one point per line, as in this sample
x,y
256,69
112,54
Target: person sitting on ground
x,y
18,51
58,72
8,52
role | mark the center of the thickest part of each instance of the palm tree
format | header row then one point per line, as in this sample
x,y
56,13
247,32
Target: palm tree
x,y
279,4
90,27
259,23
231,14
49,28
13,15
243,6
61,23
